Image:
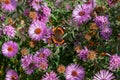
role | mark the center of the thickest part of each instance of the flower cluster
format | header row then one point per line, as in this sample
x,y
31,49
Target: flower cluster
x,y
59,40
103,24
39,60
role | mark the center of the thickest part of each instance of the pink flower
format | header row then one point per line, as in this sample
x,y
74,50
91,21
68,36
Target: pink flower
x,y
46,11
74,72
83,53
81,14
91,4
9,31
43,18
103,75
106,33
37,30
9,5
43,53
9,49
50,76
36,4
43,64
114,62
30,63
11,75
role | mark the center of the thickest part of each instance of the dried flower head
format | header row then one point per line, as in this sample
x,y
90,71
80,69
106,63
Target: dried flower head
x,y
103,54
10,21
91,43
33,15
93,14
92,32
91,55
24,51
61,69
77,48
93,26
32,44
87,37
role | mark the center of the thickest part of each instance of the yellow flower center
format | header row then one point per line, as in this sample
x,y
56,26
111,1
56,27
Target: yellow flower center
x,y
41,55
10,48
7,1
37,31
13,77
74,73
81,13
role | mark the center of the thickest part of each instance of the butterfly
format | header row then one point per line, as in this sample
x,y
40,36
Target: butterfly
x,y
57,36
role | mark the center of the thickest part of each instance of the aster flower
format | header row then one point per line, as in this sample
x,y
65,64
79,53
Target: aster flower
x,y
103,75
101,21
50,76
37,30
43,64
30,63
83,53
43,53
106,33
11,75
91,4
114,62
9,31
48,34
36,4
74,72
81,14
9,49
9,5
43,18
46,11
